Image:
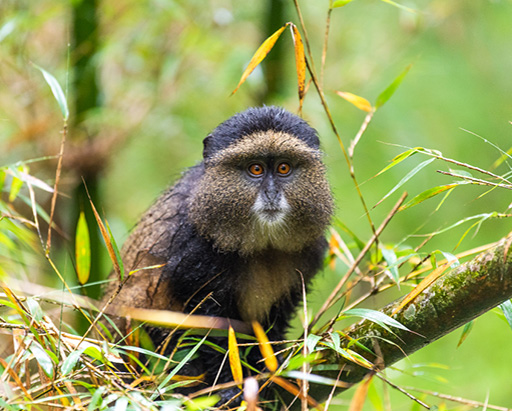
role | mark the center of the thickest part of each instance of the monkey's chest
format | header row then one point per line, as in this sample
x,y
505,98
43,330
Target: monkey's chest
x,y
264,283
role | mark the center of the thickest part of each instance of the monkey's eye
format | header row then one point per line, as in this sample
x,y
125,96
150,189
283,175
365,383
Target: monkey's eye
x,y
284,169
256,170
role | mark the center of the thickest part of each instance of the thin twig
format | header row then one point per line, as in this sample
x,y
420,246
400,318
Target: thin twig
x,y
474,180
459,399
333,297
56,187
396,387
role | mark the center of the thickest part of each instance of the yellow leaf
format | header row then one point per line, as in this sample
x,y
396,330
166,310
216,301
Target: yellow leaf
x,y
360,102
266,349
429,279
300,62
234,357
260,54
82,250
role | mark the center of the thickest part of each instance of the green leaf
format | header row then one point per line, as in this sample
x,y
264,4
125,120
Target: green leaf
x,y
340,3
35,309
425,195
94,352
70,362
42,358
96,399
312,341
17,181
2,180
409,175
56,90
121,404
450,257
376,317
389,256
82,250
386,94
399,158
408,9
506,307
465,332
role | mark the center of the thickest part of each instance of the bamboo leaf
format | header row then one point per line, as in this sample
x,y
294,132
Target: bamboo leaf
x,y
408,9
300,62
265,347
465,332
42,358
429,279
17,181
82,250
116,250
360,102
360,395
70,362
234,357
340,3
398,159
409,175
376,317
506,307
56,90
386,94
260,54
389,256
425,195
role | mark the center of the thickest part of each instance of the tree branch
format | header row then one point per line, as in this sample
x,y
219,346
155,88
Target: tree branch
x,y
454,299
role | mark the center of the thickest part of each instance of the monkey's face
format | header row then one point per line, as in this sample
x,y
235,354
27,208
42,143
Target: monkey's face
x,y
267,190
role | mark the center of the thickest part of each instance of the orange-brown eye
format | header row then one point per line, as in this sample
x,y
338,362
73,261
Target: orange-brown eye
x,y
256,169
284,169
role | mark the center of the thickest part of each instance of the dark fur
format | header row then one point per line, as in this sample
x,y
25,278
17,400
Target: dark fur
x,y
195,267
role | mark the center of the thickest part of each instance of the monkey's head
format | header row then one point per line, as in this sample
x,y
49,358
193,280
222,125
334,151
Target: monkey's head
x,y
264,185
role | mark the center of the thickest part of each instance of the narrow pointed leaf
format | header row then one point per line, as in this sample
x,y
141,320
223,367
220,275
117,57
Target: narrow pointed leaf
x,y
386,94
408,9
56,90
82,250
360,395
260,54
266,349
360,102
506,307
340,3
429,279
376,317
409,175
234,357
116,250
391,259
465,332
71,361
398,159
425,195
42,358
300,62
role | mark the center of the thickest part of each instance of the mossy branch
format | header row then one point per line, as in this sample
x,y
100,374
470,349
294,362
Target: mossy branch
x,y
454,299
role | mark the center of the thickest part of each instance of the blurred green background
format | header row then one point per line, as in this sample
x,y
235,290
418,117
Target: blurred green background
x,y
165,70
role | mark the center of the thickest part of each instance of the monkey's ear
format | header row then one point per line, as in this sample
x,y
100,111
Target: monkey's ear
x,y
207,146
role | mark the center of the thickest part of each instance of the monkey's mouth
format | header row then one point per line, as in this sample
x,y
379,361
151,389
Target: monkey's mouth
x,y
271,215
